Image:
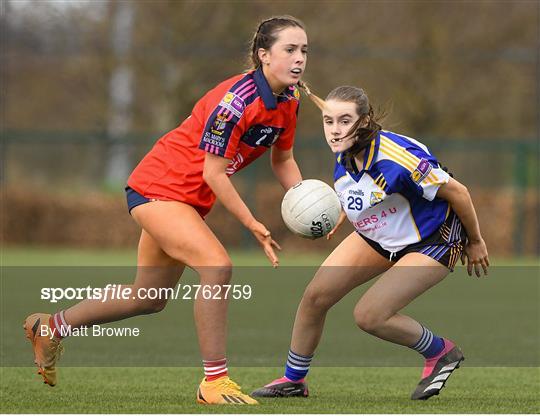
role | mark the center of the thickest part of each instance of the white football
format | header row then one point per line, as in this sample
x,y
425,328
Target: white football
x,y
310,209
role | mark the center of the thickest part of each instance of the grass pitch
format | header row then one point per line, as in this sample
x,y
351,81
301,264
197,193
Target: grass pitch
x,y
333,390
357,387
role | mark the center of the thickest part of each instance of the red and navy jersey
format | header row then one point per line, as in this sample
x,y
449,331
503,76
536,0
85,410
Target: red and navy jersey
x,y
240,119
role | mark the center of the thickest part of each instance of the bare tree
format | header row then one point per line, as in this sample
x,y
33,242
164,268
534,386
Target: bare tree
x,y
121,85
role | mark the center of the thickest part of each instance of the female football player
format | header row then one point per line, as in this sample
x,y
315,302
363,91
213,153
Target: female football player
x,y
176,184
406,211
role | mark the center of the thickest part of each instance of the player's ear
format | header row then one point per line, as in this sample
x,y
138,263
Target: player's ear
x,y
263,56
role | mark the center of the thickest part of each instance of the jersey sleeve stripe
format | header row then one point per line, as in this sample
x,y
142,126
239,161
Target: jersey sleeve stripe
x,y
435,181
396,157
400,150
242,87
248,92
210,148
404,158
432,178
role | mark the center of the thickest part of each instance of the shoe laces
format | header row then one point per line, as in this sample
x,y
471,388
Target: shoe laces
x,y
230,386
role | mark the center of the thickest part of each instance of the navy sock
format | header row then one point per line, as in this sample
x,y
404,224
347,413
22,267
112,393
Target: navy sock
x,y
297,366
429,345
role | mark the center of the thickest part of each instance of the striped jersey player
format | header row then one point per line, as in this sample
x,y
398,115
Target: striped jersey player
x,y
412,222
391,199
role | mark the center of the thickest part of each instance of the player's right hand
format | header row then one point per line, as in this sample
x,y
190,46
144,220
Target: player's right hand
x,y
476,255
263,236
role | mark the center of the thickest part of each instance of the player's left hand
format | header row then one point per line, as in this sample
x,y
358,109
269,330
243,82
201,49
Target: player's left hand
x,y
476,256
263,236
340,220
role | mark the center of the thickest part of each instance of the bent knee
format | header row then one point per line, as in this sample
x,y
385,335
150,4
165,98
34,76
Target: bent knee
x,y
210,259
218,273
202,257
368,319
317,300
149,306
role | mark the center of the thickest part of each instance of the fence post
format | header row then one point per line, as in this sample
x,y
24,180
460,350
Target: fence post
x,y
520,185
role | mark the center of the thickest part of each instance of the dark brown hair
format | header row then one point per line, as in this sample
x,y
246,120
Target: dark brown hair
x,y
266,35
365,129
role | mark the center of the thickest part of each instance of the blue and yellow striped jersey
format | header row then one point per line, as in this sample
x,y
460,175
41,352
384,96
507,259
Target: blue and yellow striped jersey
x,y
391,199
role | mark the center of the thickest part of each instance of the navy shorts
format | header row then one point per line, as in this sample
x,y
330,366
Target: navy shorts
x,y
135,199
445,245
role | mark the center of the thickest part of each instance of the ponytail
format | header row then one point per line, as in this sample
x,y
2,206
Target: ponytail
x,y
319,102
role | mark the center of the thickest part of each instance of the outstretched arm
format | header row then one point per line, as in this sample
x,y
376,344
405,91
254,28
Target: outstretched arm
x,y
214,175
460,200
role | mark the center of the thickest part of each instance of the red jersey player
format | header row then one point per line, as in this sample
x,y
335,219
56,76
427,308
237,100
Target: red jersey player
x,y
175,186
